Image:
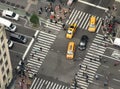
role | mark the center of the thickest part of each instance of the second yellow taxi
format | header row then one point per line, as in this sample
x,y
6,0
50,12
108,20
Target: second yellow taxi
x,y
70,50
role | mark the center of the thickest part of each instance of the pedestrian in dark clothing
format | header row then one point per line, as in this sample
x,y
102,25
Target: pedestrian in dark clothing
x,y
40,49
38,59
41,9
32,55
91,59
55,22
87,76
46,9
80,66
63,25
86,67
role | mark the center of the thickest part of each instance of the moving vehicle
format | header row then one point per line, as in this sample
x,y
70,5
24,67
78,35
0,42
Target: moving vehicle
x,y
71,30
92,24
83,42
10,15
70,50
18,38
10,43
8,25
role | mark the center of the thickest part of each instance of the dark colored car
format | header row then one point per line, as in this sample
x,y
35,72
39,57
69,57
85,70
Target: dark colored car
x,y
83,42
18,38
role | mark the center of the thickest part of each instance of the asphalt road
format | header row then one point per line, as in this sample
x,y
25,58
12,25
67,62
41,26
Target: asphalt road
x,y
18,49
56,65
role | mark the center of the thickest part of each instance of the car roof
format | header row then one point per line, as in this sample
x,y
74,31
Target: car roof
x,y
7,12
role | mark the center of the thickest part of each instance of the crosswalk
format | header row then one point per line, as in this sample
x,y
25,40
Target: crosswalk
x,y
40,83
39,51
91,62
82,19
51,25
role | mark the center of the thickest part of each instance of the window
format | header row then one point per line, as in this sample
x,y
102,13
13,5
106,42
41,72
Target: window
x,y
4,78
3,46
8,71
6,63
1,61
3,69
2,38
5,55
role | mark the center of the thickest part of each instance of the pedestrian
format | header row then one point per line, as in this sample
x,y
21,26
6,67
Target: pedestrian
x,y
40,49
80,66
32,55
116,63
96,77
41,9
38,59
114,7
63,25
87,76
46,9
91,59
86,67
105,83
55,21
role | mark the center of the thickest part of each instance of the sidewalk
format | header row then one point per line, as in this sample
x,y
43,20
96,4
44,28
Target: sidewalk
x,y
22,82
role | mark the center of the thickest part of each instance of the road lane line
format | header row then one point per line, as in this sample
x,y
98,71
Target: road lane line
x,y
90,4
116,80
25,53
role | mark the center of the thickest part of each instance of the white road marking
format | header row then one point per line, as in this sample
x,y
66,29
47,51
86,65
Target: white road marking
x,y
90,4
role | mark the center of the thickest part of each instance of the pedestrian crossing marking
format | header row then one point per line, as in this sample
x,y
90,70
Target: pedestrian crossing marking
x,y
91,62
51,25
37,56
39,83
82,20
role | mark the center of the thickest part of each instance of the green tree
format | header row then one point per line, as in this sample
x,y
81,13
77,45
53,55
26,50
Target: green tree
x,y
34,20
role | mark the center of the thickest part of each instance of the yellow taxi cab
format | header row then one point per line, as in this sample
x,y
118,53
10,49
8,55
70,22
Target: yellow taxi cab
x,y
70,50
71,30
92,24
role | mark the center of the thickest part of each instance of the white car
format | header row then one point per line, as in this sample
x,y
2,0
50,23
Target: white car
x,y
10,43
10,15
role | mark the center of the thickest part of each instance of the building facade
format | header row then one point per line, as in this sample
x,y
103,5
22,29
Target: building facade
x,y
5,62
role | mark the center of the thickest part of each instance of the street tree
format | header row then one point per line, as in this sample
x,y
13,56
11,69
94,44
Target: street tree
x,y
34,19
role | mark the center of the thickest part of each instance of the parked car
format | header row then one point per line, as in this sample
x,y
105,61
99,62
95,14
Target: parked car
x,y
83,42
10,43
18,38
8,24
10,15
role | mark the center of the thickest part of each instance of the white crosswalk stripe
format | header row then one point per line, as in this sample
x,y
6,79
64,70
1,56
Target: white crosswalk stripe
x,y
39,51
39,83
82,19
91,62
51,25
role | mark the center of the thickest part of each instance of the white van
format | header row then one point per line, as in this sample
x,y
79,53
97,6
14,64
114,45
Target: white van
x,y
9,26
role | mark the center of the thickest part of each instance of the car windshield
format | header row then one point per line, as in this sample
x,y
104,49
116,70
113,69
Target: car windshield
x,y
70,52
69,32
13,15
71,26
21,37
92,25
11,26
